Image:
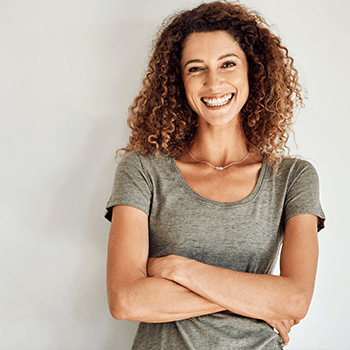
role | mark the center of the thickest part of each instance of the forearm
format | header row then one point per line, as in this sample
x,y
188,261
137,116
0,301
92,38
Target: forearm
x,y
257,296
265,297
132,293
152,299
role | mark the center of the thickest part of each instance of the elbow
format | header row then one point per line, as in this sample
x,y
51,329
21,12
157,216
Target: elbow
x,y
123,305
126,301
117,312
298,306
118,307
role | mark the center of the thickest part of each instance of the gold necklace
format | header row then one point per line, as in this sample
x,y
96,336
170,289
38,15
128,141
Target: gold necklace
x,y
213,166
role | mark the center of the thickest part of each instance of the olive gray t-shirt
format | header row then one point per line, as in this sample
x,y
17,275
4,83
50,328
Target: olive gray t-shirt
x,y
243,236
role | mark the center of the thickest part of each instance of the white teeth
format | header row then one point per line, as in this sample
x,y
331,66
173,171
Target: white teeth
x,y
217,102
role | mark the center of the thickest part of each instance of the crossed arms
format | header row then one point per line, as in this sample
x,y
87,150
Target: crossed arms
x,y
174,288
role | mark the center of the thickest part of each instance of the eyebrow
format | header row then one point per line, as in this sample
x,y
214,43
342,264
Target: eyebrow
x,y
220,58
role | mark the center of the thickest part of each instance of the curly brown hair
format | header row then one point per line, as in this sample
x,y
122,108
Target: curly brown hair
x,y
160,117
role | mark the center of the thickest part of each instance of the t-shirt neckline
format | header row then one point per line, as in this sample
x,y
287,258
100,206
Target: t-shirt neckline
x,y
194,194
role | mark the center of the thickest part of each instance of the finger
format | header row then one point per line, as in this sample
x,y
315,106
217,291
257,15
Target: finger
x,y
283,331
285,338
287,324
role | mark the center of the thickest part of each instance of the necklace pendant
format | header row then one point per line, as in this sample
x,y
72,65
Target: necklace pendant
x,y
213,166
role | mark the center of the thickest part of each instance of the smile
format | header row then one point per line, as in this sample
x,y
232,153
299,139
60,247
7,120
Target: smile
x,y
217,102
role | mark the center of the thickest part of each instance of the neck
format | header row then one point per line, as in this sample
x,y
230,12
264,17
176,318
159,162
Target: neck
x,y
219,145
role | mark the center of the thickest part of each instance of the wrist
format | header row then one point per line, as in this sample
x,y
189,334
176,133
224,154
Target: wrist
x,y
182,270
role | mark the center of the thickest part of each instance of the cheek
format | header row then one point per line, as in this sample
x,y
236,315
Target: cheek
x,y
191,88
189,92
187,86
243,85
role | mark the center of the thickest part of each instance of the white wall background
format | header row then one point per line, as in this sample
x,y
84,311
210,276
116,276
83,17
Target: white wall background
x,y
69,70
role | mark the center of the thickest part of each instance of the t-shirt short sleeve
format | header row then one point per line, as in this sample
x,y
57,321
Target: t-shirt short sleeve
x,y
302,195
131,186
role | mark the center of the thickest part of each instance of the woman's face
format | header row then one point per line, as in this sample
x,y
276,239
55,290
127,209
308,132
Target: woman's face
x,y
215,75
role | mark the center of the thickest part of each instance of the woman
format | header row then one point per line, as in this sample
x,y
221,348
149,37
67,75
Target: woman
x,y
205,197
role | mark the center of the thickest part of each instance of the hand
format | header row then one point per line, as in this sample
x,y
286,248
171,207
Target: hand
x,y
164,267
283,327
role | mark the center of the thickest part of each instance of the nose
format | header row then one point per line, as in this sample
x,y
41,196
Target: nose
x,y
213,80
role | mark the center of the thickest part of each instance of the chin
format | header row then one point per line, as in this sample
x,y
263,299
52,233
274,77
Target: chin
x,y
219,121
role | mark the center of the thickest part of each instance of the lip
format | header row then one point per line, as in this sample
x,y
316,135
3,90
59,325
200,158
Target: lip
x,y
218,100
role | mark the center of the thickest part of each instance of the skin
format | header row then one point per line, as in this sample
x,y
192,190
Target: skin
x,y
213,65
214,70
173,287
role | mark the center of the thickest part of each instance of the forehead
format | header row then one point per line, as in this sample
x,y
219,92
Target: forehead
x,y
210,44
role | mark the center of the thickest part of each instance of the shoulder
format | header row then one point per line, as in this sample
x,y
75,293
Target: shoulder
x,y
135,159
296,162
292,171
297,167
148,164
293,167
299,178
131,158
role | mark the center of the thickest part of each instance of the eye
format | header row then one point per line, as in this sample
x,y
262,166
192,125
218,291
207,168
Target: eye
x,y
229,64
194,69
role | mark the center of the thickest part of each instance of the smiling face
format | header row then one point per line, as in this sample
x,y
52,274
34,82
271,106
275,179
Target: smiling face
x,y
215,76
